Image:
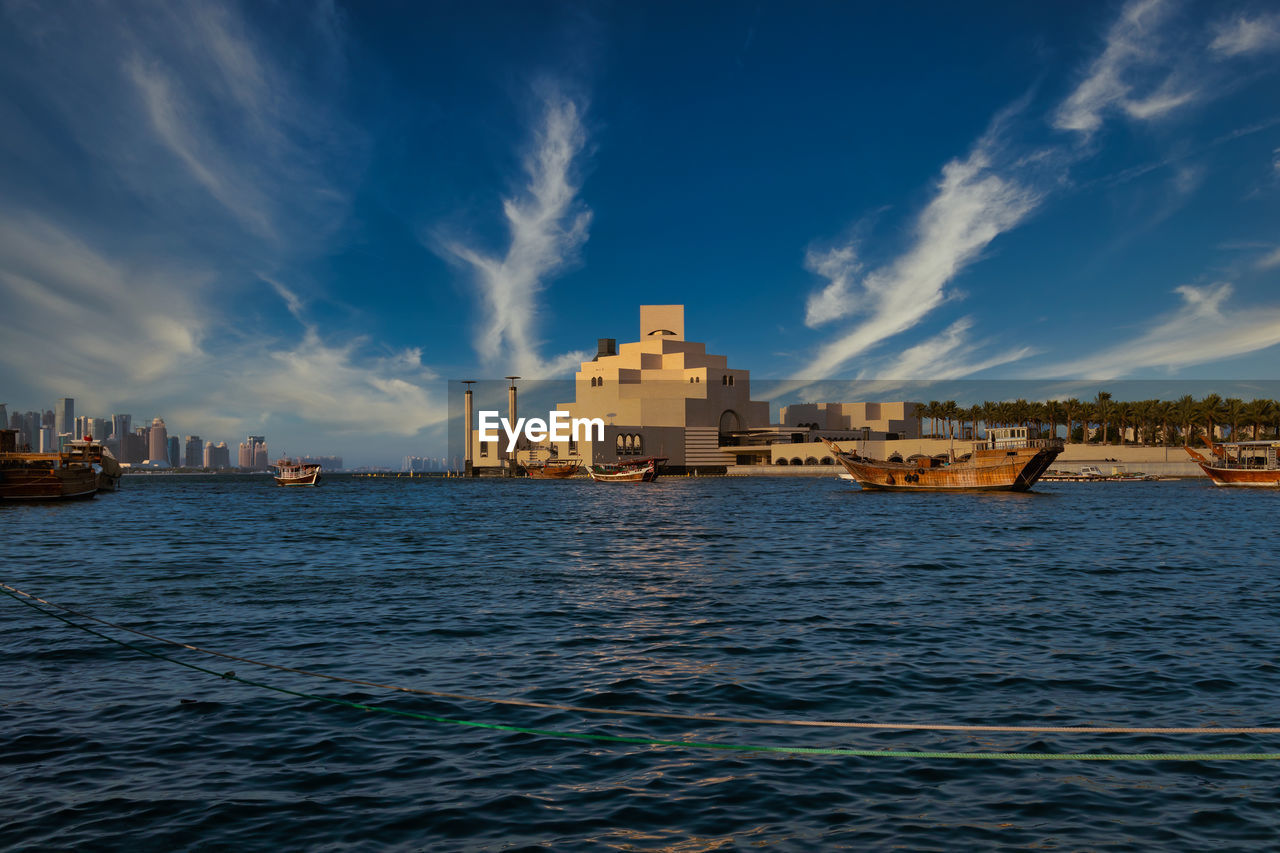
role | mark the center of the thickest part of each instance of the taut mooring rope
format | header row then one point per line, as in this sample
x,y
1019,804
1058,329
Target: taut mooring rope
x,y
19,595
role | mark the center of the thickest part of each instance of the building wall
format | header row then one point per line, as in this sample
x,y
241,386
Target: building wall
x,y
662,389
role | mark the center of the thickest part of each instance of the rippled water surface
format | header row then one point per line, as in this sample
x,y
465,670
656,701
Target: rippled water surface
x,y
1129,604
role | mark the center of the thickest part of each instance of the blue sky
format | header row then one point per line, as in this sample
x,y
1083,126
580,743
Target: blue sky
x,y
302,219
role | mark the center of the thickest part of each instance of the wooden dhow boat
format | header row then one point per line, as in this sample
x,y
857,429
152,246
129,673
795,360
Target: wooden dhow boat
x,y
295,473
630,471
552,469
1240,463
1007,460
26,476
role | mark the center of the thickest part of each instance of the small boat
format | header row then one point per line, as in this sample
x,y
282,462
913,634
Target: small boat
x,y
552,469
631,471
26,476
1240,463
1008,460
293,473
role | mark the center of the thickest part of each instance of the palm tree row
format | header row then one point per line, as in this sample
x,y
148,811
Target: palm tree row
x,y
1107,421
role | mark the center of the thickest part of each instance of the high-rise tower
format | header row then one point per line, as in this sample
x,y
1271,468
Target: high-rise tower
x,y
65,416
159,441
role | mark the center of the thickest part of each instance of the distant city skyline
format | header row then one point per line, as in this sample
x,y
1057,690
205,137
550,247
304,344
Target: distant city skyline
x,y
302,220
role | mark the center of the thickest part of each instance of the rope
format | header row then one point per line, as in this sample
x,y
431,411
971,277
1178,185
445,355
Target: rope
x,y
598,738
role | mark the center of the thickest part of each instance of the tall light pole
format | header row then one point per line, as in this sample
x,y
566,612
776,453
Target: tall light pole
x,y
466,429
511,419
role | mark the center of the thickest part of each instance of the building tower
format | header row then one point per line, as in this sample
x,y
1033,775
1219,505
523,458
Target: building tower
x,y
158,441
65,416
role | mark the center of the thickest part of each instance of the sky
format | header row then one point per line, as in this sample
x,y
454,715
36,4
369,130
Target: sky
x,y
305,220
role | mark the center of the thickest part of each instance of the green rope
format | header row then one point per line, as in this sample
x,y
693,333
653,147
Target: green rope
x,y
683,744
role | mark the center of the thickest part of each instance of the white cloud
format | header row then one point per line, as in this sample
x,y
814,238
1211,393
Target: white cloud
x,y
1132,53
1271,260
1202,330
1241,35
207,165
973,204
81,319
840,267
547,228
947,356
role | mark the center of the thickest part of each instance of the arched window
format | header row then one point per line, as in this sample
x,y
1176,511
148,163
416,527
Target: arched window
x,y
730,380
724,380
639,445
809,460
593,382
780,461
795,460
827,460
620,445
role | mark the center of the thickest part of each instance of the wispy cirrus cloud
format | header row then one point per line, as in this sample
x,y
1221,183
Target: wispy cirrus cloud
x,y
1243,35
204,164
547,227
1132,74
1141,73
975,200
1202,329
948,355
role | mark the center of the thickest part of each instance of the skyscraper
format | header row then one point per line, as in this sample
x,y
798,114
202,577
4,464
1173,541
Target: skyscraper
x,y
65,415
158,441
121,425
195,453
253,453
175,451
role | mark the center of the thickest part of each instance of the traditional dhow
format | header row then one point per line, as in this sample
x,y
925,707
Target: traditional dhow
x,y
26,476
552,469
631,471
290,472
1240,463
1007,460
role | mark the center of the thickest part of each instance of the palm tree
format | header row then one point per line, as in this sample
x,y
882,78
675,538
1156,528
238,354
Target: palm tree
x,y
950,410
1186,410
1088,415
1053,411
1103,410
1163,412
1233,412
920,412
989,412
1211,412
1071,410
1258,412
935,411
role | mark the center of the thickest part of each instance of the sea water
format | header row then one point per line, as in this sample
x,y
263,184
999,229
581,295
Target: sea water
x,y
1117,604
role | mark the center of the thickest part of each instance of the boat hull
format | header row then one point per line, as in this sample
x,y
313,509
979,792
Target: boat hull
x,y
1242,477
311,479
1267,476
644,471
28,483
1010,471
553,472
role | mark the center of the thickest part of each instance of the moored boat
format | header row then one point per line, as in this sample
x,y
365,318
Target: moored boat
x,y
552,469
98,457
1240,463
290,472
42,476
629,471
1007,460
